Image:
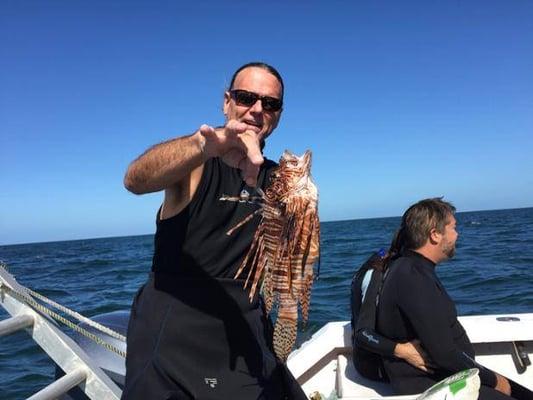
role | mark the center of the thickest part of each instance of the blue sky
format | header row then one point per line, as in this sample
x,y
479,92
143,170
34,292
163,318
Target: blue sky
x,y
398,100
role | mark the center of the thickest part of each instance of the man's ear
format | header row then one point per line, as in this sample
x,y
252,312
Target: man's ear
x,y
435,236
225,104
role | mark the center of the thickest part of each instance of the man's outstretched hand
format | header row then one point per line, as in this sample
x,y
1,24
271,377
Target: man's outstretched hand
x,y
237,146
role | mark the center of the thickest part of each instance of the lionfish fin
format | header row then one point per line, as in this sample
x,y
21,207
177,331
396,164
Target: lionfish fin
x,y
284,337
257,277
251,253
257,251
245,220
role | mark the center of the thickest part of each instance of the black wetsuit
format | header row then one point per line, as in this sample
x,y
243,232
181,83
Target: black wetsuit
x,y
414,305
193,332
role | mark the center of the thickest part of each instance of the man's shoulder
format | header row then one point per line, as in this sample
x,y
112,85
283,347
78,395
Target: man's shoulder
x,y
402,263
405,268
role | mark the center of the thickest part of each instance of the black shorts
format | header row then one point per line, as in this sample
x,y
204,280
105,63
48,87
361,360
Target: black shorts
x,y
202,339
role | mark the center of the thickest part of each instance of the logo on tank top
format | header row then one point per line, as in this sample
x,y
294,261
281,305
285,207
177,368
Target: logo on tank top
x,y
211,382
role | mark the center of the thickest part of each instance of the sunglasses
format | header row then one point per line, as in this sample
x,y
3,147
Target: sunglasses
x,y
248,99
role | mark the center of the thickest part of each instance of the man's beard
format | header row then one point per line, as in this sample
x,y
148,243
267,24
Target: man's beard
x,y
449,249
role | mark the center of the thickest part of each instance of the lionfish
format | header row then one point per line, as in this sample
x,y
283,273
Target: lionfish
x,y
285,245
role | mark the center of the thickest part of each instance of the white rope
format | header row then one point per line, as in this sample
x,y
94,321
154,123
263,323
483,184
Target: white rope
x,y
78,316
26,297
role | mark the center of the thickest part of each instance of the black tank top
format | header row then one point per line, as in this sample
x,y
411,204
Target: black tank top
x,y
194,242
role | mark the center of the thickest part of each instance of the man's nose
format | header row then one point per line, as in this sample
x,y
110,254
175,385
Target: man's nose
x,y
257,107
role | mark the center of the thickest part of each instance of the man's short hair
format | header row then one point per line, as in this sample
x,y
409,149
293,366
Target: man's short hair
x,y
421,218
261,65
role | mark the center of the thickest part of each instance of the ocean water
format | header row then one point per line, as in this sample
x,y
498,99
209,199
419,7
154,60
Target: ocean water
x,y
491,273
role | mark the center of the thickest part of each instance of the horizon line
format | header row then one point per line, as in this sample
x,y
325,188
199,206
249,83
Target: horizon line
x,y
328,221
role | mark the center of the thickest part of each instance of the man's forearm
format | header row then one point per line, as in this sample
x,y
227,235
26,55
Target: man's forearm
x,y
374,342
165,164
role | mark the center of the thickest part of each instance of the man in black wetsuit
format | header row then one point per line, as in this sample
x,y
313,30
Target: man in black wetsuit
x,y
413,304
367,344
193,332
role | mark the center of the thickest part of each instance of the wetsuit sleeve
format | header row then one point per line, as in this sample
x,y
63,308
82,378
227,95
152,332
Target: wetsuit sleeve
x,y
369,340
428,311
365,336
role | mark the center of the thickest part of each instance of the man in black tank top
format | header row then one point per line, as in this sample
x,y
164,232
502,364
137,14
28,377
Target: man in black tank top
x,y
193,332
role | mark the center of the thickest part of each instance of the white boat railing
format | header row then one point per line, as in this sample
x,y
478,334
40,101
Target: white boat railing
x,y
80,370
